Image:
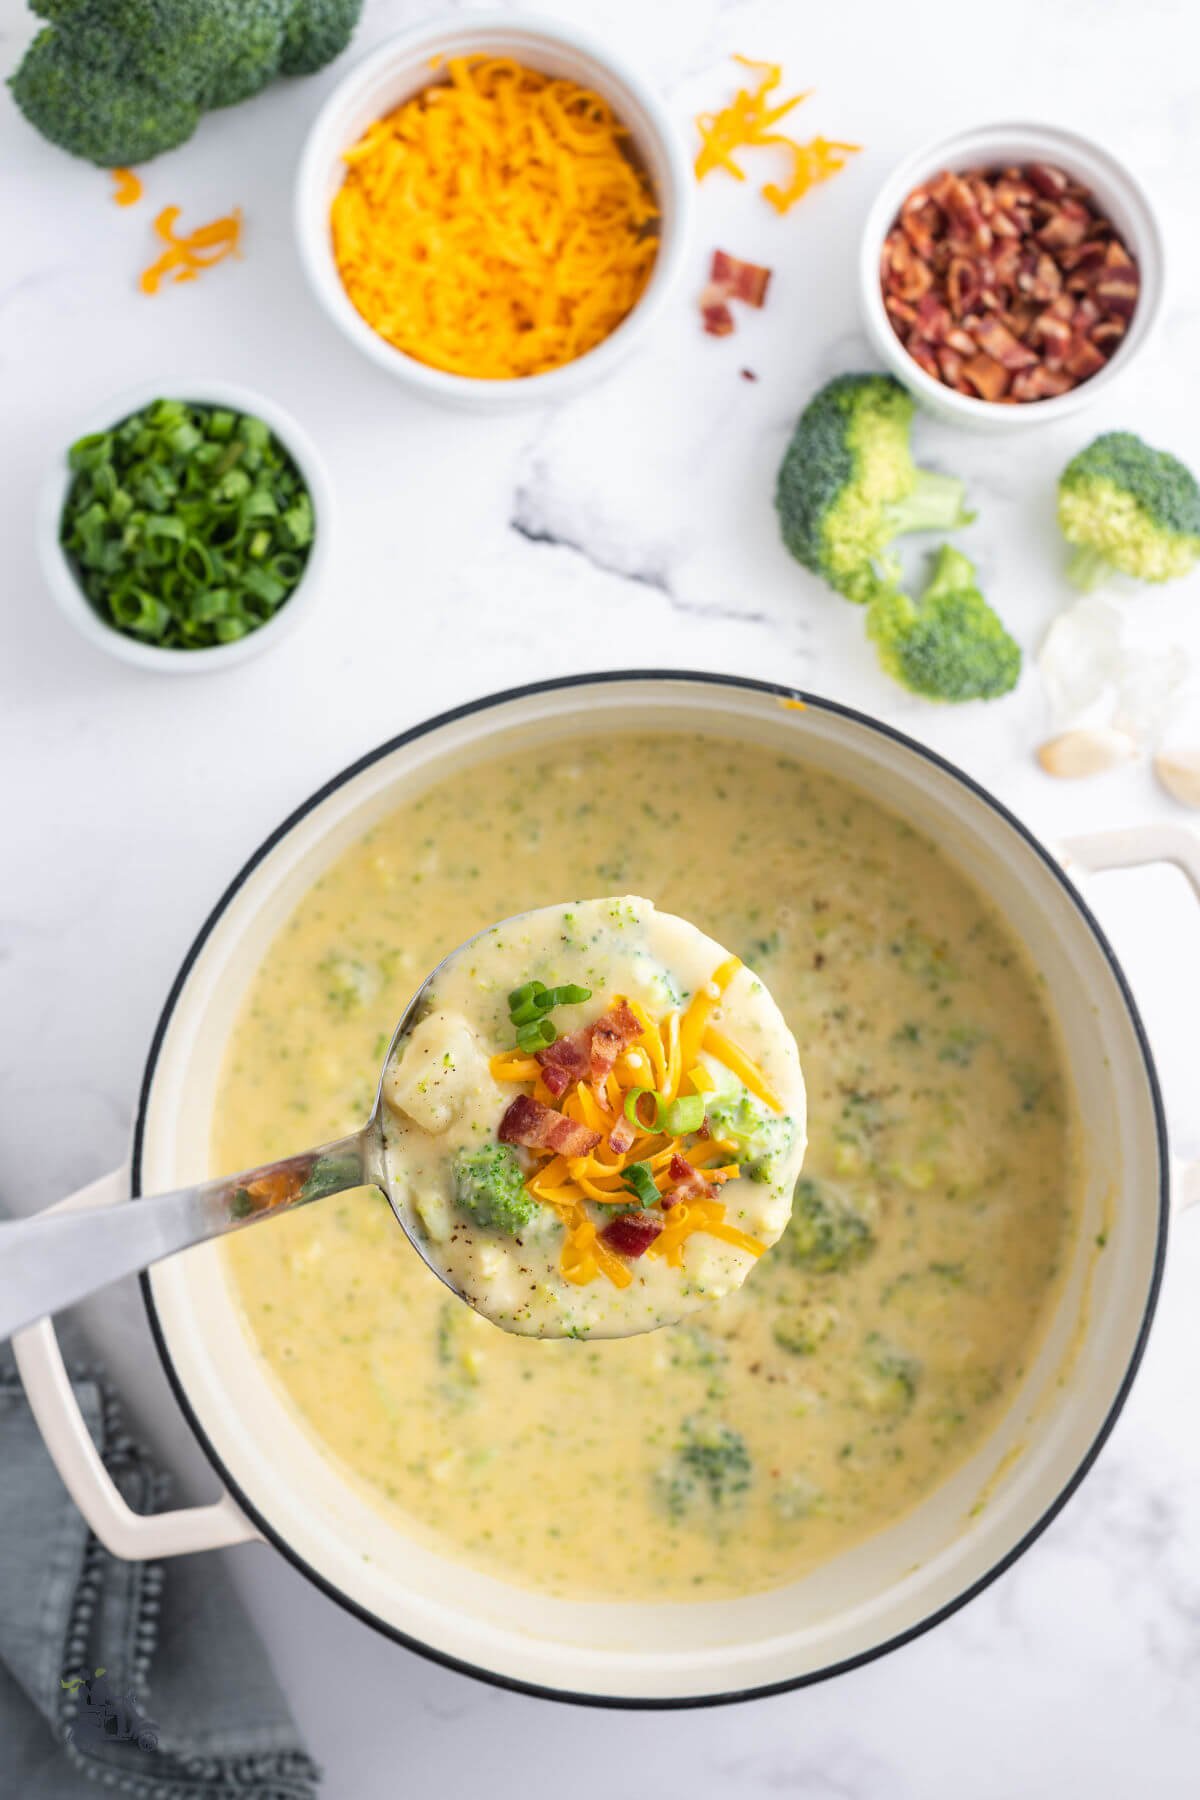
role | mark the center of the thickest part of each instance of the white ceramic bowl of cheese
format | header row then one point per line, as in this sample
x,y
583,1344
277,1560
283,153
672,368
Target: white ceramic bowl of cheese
x,y
400,68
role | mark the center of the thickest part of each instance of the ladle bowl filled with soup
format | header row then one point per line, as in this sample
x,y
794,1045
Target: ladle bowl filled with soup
x,y
826,1459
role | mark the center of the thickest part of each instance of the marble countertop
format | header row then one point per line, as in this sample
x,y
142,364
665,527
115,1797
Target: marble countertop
x,y
631,527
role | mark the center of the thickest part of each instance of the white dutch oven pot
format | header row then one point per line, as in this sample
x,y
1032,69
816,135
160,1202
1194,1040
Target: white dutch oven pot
x,y
281,1487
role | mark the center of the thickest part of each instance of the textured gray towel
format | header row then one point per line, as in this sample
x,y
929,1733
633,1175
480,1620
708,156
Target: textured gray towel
x,y
186,1707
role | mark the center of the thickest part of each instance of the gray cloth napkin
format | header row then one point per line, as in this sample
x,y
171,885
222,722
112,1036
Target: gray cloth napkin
x,y
186,1707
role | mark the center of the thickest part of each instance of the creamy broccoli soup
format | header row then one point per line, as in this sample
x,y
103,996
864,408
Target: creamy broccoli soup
x,y
596,1124
873,1347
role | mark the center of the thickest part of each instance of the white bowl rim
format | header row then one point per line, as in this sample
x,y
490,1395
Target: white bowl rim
x,y
1064,146
434,36
74,603
1043,855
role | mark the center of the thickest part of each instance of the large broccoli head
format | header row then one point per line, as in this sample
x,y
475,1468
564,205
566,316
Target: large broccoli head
x,y
949,644
120,81
848,485
1127,507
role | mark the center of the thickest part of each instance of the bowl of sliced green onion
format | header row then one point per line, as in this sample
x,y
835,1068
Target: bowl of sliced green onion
x,y
186,534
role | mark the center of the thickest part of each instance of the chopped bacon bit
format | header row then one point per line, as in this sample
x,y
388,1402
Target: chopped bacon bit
x,y
613,1032
715,312
1011,271
620,1138
689,1182
745,280
539,1127
731,279
631,1233
566,1061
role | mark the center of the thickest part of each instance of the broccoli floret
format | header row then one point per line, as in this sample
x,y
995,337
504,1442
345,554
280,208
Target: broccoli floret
x,y
803,1329
886,1379
848,485
826,1232
949,644
709,1472
120,81
490,1188
1128,508
761,1136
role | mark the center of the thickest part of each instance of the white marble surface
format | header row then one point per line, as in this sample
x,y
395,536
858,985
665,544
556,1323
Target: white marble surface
x,y
128,800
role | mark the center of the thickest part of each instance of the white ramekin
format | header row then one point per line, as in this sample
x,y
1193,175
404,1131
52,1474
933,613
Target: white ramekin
x,y
401,67
61,578
1119,195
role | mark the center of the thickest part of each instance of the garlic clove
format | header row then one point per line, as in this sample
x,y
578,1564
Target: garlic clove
x,y
1179,772
1073,754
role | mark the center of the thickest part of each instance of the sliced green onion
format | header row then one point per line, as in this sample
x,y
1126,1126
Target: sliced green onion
x,y
570,995
186,525
535,1036
639,1179
632,1099
682,1115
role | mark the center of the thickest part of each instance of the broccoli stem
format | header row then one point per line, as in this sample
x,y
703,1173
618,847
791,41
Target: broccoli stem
x,y
935,504
1088,567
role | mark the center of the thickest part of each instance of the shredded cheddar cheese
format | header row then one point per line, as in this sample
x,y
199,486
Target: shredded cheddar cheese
x,y
748,123
666,1050
495,225
127,189
185,257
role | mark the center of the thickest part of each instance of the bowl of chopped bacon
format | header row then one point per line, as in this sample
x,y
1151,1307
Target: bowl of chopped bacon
x,y
492,209
1010,274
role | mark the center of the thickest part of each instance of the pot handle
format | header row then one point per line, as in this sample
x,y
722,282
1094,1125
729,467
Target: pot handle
x,y
135,1537
1131,847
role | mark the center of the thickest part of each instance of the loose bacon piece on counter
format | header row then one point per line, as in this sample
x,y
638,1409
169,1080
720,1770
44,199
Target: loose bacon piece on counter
x,y
631,1233
689,1182
730,279
613,1032
1013,271
539,1127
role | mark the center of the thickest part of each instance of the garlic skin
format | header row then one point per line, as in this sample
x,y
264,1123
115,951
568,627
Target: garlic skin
x,y
1178,771
1090,750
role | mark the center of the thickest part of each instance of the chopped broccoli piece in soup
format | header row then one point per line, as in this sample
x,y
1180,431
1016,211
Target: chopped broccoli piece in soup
x,y
489,1186
886,1379
761,1136
707,1475
826,1232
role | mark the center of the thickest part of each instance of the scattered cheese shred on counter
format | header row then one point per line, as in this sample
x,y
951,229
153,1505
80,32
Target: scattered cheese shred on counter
x,y
748,122
495,225
128,188
185,257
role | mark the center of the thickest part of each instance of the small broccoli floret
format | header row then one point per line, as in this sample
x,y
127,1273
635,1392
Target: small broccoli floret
x,y
761,1136
490,1188
886,1379
709,1472
848,485
949,644
120,81
826,1232
1130,509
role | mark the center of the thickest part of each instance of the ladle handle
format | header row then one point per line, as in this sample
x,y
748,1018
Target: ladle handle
x,y
54,1259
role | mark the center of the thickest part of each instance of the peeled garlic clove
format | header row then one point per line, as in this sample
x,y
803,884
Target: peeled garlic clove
x,y
1179,772
1074,754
